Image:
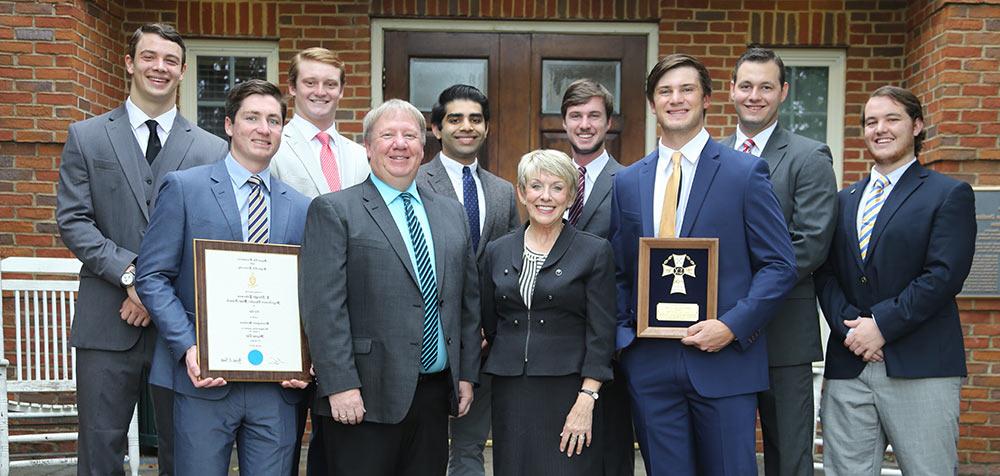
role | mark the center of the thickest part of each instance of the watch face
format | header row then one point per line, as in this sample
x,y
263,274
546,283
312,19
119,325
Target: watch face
x,y
128,279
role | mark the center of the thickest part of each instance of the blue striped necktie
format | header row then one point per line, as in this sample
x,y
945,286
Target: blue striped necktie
x,y
872,206
428,287
257,229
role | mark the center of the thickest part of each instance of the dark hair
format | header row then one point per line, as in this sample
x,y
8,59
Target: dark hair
x,y
761,55
318,54
580,91
248,88
910,102
164,30
455,93
675,61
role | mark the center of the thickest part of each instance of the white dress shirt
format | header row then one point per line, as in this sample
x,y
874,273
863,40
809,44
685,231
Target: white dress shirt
x,y
137,119
454,169
690,151
594,169
759,140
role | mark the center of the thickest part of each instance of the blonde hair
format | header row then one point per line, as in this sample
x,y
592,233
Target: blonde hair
x,y
550,161
321,55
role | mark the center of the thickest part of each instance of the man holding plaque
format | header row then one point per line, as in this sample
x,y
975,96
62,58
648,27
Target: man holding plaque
x,y
111,168
694,399
390,302
901,251
803,178
234,199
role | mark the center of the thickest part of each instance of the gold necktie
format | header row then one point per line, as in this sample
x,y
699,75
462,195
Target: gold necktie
x,y
668,216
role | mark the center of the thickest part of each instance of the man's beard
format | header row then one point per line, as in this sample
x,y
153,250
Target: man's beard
x,y
579,151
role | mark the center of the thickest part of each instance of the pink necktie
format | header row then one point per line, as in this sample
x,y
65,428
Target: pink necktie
x,y
328,162
748,146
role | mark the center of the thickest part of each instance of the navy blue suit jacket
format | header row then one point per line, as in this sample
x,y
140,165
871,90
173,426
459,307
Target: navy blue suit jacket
x,y
918,258
731,199
198,203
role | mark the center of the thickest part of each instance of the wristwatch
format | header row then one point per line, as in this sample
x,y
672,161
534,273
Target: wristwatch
x,y
590,393
128,277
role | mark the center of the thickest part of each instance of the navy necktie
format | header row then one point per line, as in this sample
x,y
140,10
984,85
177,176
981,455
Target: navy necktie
x,y
471,199
428,287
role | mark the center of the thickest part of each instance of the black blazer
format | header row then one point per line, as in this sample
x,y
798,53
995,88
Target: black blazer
x,y
570,328
919,255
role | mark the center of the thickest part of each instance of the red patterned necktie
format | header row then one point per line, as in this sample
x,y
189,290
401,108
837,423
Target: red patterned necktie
x,y
328,162
748,146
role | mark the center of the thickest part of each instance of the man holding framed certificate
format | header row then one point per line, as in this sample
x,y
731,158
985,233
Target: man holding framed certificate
x,y
234,200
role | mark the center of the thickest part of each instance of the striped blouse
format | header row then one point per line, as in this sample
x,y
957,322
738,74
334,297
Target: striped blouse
x,y
529,272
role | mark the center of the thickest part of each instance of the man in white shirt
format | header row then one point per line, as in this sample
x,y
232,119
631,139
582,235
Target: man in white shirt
x,y
460,120
587,107
111,170
315,159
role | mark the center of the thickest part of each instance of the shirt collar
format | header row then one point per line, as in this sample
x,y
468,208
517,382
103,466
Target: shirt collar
x,y
239,174
691,150
454,167
597,165
893,176
759,140
137,118
309,130
390,194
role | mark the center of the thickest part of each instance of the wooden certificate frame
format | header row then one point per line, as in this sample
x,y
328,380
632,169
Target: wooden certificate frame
x,y
252,289
678,285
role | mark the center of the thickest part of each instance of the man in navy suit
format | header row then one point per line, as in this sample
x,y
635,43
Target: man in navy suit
x,y
234,199
902,249
694,400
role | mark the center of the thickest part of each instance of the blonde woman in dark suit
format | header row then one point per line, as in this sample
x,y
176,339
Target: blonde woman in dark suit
x,y
549,318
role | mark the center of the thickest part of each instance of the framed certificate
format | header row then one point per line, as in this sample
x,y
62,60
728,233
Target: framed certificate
x,y
678,285
247,312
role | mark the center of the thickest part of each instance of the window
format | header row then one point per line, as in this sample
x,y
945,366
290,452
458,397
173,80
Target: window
x,y
815,104
214,67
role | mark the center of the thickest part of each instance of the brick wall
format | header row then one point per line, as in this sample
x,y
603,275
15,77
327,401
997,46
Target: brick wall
x,y
61,61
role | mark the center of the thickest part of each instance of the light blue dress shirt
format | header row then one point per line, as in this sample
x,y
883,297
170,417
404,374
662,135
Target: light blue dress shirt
x,y
238,177
395,204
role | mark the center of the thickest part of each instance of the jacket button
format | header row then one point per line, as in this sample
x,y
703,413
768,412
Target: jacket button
x,y
550,297
558,272
448,340
149,181
504,297
864,280
516,322
505,271
541,322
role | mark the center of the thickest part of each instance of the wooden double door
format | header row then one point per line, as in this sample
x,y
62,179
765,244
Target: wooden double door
x,y
525,76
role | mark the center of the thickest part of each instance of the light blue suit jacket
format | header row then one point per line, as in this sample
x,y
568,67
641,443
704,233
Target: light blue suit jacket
x,y
198,203
731,199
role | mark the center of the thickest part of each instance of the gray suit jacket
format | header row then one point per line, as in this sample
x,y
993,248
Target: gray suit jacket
x,y
596,215
106,193
803,179
297,165
361,304
501,202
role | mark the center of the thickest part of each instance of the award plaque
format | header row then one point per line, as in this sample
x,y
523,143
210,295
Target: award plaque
x,y
247,312
678,285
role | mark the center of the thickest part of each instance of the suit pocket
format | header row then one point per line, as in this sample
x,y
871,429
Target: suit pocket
x,y
106,165
362,345
364,243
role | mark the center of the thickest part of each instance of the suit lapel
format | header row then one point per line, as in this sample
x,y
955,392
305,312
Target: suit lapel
x,y
708,165
175,149
438,178
439,230
908,183
729,141
602,187
379,212
299,145
775,150
849,217
647,180
128,153
222,188
491,197
280,208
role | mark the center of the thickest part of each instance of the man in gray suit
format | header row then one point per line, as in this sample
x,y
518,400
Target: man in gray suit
x,y
803,178
112,166
390,302
587,107
461,120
